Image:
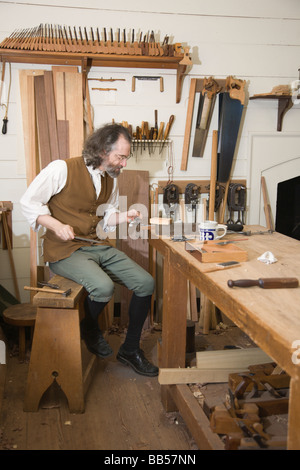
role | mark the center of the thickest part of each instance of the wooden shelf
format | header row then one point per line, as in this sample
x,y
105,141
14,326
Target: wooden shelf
x,y
87,60
284,104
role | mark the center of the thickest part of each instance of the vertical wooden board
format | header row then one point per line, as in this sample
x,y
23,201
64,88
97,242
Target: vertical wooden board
x,y
51,114
42,121
59,93
188,125
26,79
59,88
63,139
135,185
74,112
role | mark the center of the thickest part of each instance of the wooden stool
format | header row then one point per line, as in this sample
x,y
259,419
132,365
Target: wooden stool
x,y
56,348
21,315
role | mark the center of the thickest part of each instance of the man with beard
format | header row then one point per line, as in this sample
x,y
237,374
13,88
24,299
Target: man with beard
x,y
70,198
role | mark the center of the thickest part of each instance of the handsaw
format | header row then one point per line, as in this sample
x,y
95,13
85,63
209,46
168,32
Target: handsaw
x,y
205,112
231,105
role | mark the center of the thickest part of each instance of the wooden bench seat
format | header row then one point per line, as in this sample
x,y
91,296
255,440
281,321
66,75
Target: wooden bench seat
x,y
56,347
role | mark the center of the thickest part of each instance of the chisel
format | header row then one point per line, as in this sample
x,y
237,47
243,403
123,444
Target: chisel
x,y
266,283
167,132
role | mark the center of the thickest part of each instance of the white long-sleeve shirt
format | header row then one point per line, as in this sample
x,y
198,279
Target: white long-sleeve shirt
x,y
50,181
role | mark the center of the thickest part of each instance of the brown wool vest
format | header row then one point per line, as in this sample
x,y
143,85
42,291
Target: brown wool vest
x,y
76,205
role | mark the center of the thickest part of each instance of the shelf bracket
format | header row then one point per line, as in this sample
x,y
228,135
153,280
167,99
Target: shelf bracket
x,y
284,104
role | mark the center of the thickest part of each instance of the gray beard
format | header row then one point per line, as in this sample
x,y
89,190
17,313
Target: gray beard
x,y
113,172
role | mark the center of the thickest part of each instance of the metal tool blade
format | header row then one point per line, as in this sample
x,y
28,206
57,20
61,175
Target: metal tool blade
x,y
205,111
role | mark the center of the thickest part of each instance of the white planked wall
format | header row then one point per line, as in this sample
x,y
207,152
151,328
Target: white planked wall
x,y
257,41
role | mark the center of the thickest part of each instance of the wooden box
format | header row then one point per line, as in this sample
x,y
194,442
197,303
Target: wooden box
x,y
215,251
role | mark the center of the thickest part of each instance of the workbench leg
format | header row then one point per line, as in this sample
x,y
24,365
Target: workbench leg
x,y
56,355
293,441
173,323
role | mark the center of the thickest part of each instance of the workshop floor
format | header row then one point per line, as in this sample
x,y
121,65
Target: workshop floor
x,y
123,409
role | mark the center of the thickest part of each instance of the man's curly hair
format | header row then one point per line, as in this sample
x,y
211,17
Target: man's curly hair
x,y
99,144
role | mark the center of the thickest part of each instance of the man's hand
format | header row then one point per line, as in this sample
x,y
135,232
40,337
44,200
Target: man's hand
x,y
63,231
121,217
132,214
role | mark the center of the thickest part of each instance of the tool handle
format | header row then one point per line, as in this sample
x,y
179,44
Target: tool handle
x,y
278,282
266,283
160,131
161,81
243,283
40,289
133,84
4,127
235,227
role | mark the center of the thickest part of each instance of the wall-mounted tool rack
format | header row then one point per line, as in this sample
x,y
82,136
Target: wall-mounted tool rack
x,y
87,53
235,87
141,146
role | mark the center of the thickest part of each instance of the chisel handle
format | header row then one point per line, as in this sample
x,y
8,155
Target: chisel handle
x,y
266,283
278,282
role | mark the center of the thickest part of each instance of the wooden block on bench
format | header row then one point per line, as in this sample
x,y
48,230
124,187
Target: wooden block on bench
x,y
45,299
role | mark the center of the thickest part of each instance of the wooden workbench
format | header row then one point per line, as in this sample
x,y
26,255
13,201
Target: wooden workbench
x,y
270,317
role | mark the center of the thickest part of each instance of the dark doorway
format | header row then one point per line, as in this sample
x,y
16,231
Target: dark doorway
x,y
288,208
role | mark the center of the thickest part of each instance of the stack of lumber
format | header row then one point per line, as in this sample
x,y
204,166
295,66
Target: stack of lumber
x,y
214,366
53,126
52,115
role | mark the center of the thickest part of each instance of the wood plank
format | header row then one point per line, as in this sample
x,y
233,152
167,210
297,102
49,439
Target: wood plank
x,y
188,125
54,300
51,114
74,112
42,121
59,93
63,139
59,88
294,413
228,358
26,80
170,376
195,418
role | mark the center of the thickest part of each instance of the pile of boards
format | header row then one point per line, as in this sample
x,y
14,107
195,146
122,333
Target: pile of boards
x,y
52,115
238,390
53,125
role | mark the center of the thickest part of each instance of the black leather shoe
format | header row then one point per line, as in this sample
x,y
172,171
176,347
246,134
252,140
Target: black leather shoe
x,y
96,344
138,362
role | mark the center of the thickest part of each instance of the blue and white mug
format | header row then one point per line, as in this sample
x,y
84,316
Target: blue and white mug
x,y
210,230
